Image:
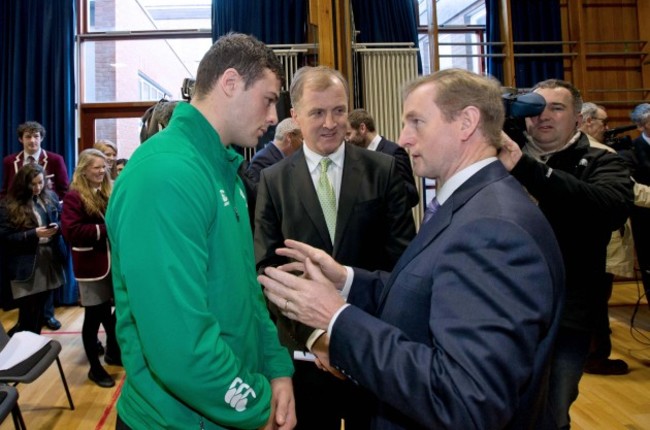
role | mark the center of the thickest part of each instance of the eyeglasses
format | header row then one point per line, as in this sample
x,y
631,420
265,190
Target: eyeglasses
x,y
602,120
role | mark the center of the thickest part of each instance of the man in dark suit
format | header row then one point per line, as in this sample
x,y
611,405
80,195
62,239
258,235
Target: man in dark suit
x,y
459,335
31,135
362,132
286,141
341,198
638,159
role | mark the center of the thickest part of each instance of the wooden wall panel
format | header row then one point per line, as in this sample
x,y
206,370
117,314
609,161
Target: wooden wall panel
x,y
609,63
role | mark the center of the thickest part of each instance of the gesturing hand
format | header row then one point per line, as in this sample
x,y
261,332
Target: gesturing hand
x,y
311,300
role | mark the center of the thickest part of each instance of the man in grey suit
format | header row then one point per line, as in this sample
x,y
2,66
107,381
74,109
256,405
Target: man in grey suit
x,y
362,132
338,197
459,335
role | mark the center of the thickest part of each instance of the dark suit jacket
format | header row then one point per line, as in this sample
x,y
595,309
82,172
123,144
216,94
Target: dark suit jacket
x,y
459,336
265,157
52,163
374,225
403,164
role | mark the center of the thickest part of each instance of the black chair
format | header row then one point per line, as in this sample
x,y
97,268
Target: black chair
x,y
31,368
9,404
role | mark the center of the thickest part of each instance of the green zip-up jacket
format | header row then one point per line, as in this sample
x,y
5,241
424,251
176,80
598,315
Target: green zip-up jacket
x,y
198,346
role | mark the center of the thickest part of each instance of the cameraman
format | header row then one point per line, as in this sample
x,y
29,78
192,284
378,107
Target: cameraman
x,y
585,193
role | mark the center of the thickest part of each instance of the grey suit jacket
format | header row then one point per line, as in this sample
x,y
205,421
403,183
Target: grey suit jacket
x,y
374,224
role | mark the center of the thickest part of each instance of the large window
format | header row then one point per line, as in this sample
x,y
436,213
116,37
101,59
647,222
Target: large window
x,y
133,53
460,28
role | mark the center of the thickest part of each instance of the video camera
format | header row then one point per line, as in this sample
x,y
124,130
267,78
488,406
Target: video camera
x,y
518,106
619,142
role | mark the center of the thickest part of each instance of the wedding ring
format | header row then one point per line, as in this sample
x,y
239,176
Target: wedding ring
x,y
286,306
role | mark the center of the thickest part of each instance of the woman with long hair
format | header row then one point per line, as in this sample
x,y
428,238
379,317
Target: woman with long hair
x,y
109,149
35,253
83,223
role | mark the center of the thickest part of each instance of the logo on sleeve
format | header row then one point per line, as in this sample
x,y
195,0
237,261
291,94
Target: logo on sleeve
x,y
237,394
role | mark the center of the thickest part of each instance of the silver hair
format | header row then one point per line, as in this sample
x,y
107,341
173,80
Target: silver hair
x,y
285,126
641,114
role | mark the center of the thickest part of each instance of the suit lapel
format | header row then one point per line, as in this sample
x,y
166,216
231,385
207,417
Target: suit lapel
x,y
382,143
43,160
306,194
441,220
348,193
18,161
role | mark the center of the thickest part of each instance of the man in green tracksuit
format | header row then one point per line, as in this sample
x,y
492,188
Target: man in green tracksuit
x,y
198,346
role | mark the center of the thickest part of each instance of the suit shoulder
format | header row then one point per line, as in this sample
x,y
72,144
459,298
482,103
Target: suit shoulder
x,y
54,156
278,168
370,156
390,147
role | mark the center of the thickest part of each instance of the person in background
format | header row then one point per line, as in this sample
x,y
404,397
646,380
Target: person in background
x,y
182,246
362,132
287,140
109,149
34,249
460,334
586,194
338,197
120,163
620,258
84,228
30,136
638,159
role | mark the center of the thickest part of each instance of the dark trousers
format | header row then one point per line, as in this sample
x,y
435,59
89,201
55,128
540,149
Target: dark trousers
x,y
30,312
323,400
94,316
641,234
601,343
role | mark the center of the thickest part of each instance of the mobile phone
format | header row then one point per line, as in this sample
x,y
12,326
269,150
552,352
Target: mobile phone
x,y
53,225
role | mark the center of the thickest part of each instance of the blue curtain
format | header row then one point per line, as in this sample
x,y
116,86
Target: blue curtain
x,y
37,80
272,22
387,21
493,34
537,20
532,20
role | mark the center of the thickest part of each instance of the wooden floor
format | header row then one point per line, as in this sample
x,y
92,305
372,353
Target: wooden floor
x,y
605,402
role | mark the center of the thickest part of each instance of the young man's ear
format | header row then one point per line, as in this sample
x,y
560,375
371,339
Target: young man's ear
x,y
229,81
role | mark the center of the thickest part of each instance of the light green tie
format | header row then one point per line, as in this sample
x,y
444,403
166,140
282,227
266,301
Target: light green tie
x,y
326,197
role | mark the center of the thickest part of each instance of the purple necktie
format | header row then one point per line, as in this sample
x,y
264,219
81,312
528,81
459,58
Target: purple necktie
x,y
431,209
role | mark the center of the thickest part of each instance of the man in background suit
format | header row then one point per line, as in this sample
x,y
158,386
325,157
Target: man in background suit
x,y
286,141
362,132
354,208
638,159
459,336
30,136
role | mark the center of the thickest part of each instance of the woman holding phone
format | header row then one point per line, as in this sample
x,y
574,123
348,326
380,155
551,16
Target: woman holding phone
x,y
35,253
84,228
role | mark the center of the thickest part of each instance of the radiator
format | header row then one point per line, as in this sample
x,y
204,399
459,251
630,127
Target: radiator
x,y
384,71
291,60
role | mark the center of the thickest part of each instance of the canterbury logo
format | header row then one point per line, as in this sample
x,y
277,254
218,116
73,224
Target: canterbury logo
x,y
237,394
